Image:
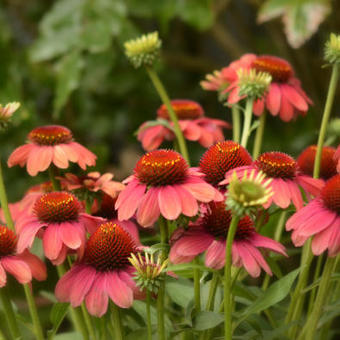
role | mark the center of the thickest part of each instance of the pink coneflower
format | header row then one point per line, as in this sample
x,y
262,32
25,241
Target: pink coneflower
x,y
61,224
327,167
285,96
50,144
104,272
319,218
93,181
194,125
222,157
337,158
22,266
286,176
208,234
163,184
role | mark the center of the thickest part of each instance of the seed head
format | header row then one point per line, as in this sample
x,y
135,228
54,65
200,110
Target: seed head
x,y
332,49
253,84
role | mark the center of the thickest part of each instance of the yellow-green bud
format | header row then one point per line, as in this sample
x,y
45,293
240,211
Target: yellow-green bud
x,y
253,84
332,49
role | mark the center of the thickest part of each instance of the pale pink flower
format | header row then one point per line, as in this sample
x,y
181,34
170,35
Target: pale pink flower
x,y
163,184
194,125
286,179
24,266
319,218
285,96
50,144
208,234
58,220
104,272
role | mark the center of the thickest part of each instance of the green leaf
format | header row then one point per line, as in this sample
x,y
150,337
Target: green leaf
x,y
207,320
68,77
57,316
180,291
274,294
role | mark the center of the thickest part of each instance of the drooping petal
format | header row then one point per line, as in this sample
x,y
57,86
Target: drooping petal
x,y
215,255
294,97
97,298
72,234
37,266
60,158
18,268
286,110
281,195
169,202
273,99
118,290
148,210
188,201
33,162
202,191
19,155
249,263
52,242
3,276
27,235
260,241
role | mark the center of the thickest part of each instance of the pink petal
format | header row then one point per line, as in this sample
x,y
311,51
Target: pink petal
x,y
215,255
85,156
3,277
120,293
60,158
258,107
294,97
295,194
311,185
207,138
248,261
33,161
322,240
152,137
169,202
18,268
70,152
188,201
260,241
97,298
72,234
91,223
20,155
273,99
192,131
52,242
27,235
37,267
287,109
148,210
258,257
202,191
281,195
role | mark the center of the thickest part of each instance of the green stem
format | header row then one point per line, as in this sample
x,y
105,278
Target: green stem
x,y
166,101
310,327
148,314
316,276
34,313
88,322
4,202
247,121
259,135
117,323
325,118
227,278
197,286
52,175
235,112
76,315
9,314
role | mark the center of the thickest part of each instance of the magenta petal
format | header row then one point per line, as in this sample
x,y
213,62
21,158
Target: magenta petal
x,y
273,99
258,257
52,241
148,210
18,268
295,194
169,202
97,298
322,240
119,291
215,255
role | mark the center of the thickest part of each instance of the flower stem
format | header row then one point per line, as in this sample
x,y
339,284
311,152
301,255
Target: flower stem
x,y
247,121
325,118
166,101
148,314
227,278
117,323
235,112
259,135
9,314
316,276
52,173
197,286
88,322
4,202
309,330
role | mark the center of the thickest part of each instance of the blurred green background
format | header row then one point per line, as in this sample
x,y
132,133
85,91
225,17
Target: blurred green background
x,y
64,61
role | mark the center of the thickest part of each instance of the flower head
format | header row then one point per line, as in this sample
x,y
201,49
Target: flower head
x,y
164,184
50,144
143,50
209,234
253,84
332,49
248,193
104,272
6,113
22,266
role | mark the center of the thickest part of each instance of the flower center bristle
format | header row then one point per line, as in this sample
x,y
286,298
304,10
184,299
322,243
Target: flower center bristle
x,y
107,208
278,68
161,167
217,220
109,248
57,207
50,135
222,157
8,241
327,167
330,194
276,164
184,109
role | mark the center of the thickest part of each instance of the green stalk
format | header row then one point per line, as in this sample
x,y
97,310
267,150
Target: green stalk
x,y
235,112
9,314
227,279
52,173
259,135
325,118
316,276
247,121
166,101
117,323
4,202
88,322
197,286
310,327
148,314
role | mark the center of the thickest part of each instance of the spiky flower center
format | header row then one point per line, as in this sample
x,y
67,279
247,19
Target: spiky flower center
x,y
279,69
184,109
161,167
276,164
57,207
8,241
217,219
107,208
328,166
222,157
50,135
330,194
109,248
